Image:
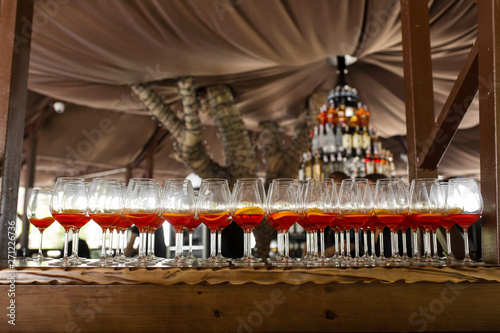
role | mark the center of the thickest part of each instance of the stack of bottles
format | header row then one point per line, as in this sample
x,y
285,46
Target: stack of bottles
x,y
342,141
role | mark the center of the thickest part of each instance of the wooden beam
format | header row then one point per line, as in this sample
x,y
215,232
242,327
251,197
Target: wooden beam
x,y
458,102
419,98
15,38
489,122
32,146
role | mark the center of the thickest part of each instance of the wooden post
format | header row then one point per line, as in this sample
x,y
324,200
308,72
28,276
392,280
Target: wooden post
x,y
29,182
15,38
419,98
489,122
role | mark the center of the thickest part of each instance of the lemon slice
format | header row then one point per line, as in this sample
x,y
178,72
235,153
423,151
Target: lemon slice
x,y
314,210
454,211
249,211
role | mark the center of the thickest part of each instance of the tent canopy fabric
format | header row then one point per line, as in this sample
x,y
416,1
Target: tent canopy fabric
x,y
273,54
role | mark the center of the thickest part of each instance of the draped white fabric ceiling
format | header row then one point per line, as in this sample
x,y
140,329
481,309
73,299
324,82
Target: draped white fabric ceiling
x,y
272,53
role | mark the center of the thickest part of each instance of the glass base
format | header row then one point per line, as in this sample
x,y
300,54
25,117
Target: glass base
x,y
212,262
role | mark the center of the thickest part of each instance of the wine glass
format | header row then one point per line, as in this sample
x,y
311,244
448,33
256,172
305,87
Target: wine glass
x,y
464,206
308,228
248,211
321,208
283,210
391,209
122,224
142,206
213,209
106,205
178,209
447,223
38,213
69,207
356,208
191,227
427,207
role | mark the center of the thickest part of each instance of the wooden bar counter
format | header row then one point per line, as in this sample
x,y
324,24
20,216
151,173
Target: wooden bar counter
x,y
266,299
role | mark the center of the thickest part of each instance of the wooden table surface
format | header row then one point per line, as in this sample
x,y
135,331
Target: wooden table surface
x,y
266,299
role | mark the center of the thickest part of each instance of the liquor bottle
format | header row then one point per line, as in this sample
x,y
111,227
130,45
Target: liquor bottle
x,y
322,137
369,164
340,162
346,138
317,167
333,163
302,176
330,139
382,163
331,115
341,116
338,138
349,162
392,166
308,167
366,140
363,116
376,159
356,141
315,139
322,115
360,163
326,166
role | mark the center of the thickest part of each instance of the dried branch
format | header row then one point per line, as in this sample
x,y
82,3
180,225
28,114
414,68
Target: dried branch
x,y
239,154
187,134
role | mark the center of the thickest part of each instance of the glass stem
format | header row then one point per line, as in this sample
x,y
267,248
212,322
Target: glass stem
x,y
415,244
124,242
348,243
103,245
322,242
342,246
73,253
372,238
66,241
287,244
337,245
219,243
245,244
190,237
118,243
152,242
178,244
449,254
381,243
466,245
393,244
356,243
280,244
249,244
403,235
396,243
148,235
110,246
308,243
40,253
142,245
213,237
434,245
427,244
365,242
315,242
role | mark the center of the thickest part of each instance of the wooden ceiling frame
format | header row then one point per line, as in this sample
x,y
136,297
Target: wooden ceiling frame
x,y
428,139
15,38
